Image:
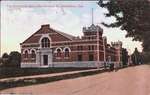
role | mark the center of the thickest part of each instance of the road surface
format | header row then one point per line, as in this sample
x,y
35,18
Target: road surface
x,y
128,81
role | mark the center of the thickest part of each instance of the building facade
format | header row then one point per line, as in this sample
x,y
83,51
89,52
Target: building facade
x,y
48,47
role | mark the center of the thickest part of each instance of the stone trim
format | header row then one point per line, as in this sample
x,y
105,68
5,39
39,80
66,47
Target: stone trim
x,y
66,48
55,51
80,40
33,50
26,50
45,36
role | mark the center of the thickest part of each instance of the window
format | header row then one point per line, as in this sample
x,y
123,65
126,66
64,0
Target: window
x,y
89,47
79,57
92,47
66,52
80,47
26,54
33,55
58,52
92,38
45,43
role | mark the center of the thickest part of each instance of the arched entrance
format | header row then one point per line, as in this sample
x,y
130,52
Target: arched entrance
x,y
44,53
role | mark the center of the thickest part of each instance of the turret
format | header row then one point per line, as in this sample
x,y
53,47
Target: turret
x,y
92,30
117,44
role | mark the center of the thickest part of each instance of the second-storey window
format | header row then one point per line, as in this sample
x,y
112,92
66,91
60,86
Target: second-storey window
x,y
45,43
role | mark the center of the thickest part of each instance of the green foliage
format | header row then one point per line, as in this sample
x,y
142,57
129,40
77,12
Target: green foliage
x,y
146,57
0,60
41,80
6,72
11,60
137,57
124,56
15,58
5,59
132,16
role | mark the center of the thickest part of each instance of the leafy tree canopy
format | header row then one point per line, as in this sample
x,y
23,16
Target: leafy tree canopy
x,y
15,58
11,60
5,55
132,16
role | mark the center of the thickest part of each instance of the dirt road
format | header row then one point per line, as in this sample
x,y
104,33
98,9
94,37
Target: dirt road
x,y
128,81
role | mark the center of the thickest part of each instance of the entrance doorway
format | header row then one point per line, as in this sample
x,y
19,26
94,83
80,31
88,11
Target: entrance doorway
x,y
45,59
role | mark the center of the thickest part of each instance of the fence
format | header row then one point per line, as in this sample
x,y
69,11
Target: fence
x,y
76,64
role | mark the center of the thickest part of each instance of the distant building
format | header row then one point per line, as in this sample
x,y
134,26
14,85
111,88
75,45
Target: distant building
x,y
48,47
118,47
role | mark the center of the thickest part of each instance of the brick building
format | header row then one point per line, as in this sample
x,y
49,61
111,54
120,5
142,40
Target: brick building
x,y
48,47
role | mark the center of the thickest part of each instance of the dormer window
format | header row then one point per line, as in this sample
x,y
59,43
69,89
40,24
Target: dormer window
x,y
45,43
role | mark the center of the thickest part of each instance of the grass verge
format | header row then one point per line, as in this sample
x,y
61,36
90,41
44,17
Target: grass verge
x,y
18,72
39,80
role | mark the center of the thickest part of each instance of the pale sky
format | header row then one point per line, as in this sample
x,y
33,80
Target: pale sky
x,y
20,19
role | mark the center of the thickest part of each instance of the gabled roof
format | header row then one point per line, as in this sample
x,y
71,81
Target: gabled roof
x,y
43,30
32,39
66,35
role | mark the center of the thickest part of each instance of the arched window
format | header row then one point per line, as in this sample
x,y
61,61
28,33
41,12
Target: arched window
x,y
26,54
33,55
58,52
66,52
45,42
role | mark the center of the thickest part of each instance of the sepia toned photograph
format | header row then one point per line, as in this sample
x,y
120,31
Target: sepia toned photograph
x,y
75,47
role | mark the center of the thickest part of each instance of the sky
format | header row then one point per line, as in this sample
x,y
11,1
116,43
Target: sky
x,y
20,19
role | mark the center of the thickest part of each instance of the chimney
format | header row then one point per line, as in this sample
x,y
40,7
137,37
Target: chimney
x,y
45,26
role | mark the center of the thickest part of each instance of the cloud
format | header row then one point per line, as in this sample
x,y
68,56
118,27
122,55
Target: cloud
x,y
17,24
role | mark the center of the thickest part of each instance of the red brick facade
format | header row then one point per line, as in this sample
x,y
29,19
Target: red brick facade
x,y
68,48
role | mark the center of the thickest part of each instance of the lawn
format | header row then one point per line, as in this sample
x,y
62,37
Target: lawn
x,y
41,80
16,72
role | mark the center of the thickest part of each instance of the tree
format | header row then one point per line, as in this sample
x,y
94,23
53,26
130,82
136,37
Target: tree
x,y
146,57
0,60
132,16
11,60
137,57
15,59
124,56
5,59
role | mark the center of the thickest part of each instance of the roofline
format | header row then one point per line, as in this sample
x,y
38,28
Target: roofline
x,y
31,35
62,34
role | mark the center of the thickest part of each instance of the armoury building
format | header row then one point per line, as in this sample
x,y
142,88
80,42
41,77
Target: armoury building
x,y
49,47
